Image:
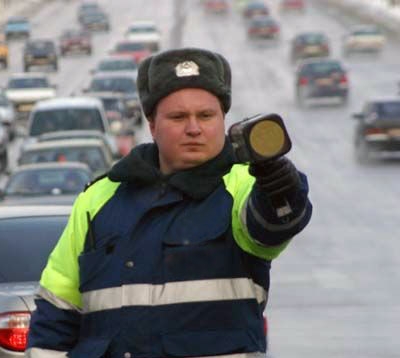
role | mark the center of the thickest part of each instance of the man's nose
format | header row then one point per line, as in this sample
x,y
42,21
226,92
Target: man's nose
x,y
193,127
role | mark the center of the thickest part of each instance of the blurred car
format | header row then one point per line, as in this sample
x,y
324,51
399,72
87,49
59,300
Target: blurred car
x,y
92,152
46,179
290,5
116,63
138,51
216,6
321,78
87,7
309,44
3,51
28,235
7,115
377,131
144,32
255,8
3,149
69,114
25,89
75,41
263,27
95,21
17,27
123,83
40,52
363,38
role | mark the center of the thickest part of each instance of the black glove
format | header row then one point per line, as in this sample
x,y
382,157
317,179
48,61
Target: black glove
x,y
276,177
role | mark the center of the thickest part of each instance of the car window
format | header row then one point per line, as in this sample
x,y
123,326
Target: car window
x,y
366,32
322,67
130,46
25,244
40,45
92,156
47,181
120,84
66,119
27,83
117,65
388,109
142,29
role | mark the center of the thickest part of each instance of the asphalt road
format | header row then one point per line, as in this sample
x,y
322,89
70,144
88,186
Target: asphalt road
x,y
334,290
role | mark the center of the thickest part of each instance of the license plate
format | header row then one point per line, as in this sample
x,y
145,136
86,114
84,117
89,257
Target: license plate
x,y
312,50
324,82
25,107
394,132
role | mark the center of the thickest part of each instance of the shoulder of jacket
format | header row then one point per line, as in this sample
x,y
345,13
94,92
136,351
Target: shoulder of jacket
x,y
95,180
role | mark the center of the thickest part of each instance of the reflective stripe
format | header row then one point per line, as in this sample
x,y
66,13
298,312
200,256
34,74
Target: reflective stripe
x,y
269,226
44,353
54,300
172,293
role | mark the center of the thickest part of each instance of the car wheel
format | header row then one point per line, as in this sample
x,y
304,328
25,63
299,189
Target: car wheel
x,y
55,66
26,68
3,162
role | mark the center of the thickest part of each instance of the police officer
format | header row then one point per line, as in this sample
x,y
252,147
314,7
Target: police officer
x,y
169,254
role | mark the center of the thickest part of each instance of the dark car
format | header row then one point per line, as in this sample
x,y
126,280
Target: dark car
x,y
263,27
255,8
116,63
17,27
118,82
309,44
88,7
95,21
75,41
321,78
27,236
377,132
40,53
46,179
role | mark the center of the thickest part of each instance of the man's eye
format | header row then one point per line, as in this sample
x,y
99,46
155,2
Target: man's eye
x,y
206,115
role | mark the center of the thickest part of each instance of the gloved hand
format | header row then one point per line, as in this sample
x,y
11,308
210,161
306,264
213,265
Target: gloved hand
x,y
276,177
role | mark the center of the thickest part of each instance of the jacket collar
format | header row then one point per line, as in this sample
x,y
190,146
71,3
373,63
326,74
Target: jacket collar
x,y
141,167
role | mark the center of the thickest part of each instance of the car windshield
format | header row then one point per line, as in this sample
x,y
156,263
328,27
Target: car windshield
x,y
366,32
117,65
34,82
66,119
388,109
17,22
47,181
312,39
40,45
323,67
25,244
117,84
130,46
142,29
90,155
112,104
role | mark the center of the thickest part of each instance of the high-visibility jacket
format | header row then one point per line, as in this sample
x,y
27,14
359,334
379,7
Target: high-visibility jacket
x,y
149,271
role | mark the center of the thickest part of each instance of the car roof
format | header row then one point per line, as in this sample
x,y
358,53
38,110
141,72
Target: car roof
x,y
383,99
117,56
51,165
107,95
67,143
144,23
17,18
320,60
68,102
21,211
74,133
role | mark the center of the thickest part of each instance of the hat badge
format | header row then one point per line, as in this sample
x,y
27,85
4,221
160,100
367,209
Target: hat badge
x,y
187,68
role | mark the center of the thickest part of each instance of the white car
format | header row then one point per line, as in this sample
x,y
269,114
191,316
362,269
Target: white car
x,y
363,38
25,89
69,114
144,32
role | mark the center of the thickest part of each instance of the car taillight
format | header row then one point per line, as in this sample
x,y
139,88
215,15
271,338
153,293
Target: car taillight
x,y
303,81
275,29
374,131
343,79
14,327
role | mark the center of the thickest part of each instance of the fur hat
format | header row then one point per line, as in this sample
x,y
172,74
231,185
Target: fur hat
x,y
172,70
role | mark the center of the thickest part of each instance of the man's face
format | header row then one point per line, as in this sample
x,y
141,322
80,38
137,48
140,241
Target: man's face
x,y
188,128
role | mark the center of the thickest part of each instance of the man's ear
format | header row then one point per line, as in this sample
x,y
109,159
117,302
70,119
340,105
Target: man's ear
x,y
152,126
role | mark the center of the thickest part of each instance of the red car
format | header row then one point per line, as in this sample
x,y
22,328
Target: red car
x,y
263,27
137,50
292,5
75,41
